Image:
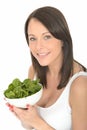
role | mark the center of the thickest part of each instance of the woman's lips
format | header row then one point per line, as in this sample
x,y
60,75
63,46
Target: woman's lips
x,y
42,54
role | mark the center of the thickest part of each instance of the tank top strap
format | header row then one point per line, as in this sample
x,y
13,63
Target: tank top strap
x,y
81,73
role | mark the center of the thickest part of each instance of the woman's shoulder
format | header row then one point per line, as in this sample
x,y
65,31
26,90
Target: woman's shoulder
x,y
31,72
79,87
80,80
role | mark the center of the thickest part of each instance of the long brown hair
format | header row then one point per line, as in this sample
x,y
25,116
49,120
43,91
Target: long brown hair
x,y
56,23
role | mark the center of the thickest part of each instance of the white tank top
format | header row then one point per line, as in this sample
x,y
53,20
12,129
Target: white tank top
x,y
58,115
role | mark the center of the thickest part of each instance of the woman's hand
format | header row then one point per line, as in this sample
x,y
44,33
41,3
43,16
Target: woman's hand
x,y
29,117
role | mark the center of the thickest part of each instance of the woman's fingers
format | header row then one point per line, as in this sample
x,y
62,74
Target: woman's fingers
x,y
10,106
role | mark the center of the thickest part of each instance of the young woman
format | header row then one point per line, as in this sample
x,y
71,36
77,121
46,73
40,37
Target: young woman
x,y
63,105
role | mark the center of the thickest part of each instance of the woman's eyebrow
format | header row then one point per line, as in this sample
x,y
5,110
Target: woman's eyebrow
x,y
45,33
42,34
31,35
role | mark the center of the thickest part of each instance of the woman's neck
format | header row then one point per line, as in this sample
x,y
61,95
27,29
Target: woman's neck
x,y
55,67
54,70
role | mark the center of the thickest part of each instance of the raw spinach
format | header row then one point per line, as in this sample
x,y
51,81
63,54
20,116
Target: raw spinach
x,y
18,89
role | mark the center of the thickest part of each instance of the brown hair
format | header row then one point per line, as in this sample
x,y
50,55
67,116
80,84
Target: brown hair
x,y
55,22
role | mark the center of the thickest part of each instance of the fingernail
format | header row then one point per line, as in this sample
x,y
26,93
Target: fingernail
x,y
27,105
11,108
8,105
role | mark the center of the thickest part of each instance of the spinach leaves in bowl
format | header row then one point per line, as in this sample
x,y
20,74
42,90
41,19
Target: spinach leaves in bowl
x,y
18,89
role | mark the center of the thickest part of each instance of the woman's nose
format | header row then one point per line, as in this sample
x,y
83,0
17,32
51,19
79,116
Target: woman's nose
x,y
39,44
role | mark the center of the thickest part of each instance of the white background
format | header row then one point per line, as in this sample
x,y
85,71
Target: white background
x,y
14,52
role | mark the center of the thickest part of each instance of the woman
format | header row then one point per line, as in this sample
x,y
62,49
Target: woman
x,y
63,105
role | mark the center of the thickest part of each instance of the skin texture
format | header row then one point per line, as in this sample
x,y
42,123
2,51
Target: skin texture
x,y
44,47
48,51
31,72
78,100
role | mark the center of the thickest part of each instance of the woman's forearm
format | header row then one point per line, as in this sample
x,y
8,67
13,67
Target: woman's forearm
x,y
43,126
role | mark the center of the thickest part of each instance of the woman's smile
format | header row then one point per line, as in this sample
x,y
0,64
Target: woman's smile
x,y
43,55
43,58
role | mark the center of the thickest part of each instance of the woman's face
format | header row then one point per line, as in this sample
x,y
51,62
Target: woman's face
x,y
43,46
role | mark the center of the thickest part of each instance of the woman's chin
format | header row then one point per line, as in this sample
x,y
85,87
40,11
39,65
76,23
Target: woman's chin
x,y
43,64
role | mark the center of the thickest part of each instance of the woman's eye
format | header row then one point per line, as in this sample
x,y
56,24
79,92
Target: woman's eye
x,y
47,37
32,39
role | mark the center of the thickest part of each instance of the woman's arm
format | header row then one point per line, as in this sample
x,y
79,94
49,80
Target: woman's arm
x,y
44,126
31,72
78,101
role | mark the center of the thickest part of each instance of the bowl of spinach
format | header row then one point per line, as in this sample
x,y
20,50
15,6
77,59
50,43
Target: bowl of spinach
x,y
21,93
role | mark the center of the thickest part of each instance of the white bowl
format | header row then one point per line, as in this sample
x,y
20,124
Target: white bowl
x,y
22,102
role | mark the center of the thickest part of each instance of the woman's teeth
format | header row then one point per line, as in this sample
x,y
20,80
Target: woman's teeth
x,y
43,54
